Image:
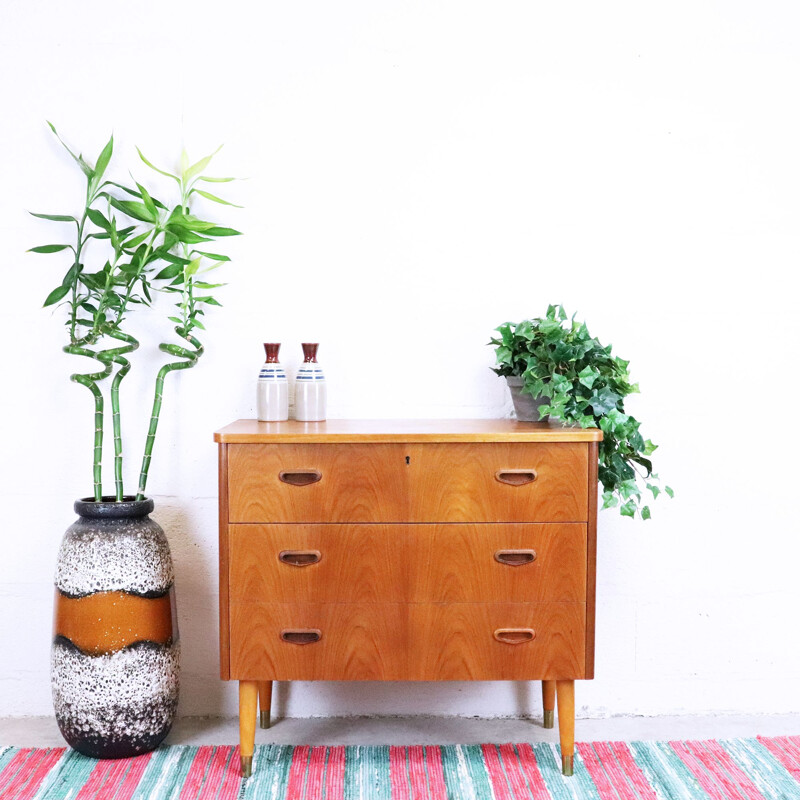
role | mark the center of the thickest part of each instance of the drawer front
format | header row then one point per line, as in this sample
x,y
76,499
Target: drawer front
x,y
419,641
357,641
517,562
497,641
499,482
484,482
317,483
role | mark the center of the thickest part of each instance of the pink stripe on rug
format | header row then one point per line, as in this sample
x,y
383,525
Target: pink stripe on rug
x,y
10,773
398,773
316,772
433,759
197,773
599,775
417,772
232,778
27,767
714,756
787,750
136,769
628,767
514,773
214,774
50,759
496,774
334,777
711,776
297,772
527,762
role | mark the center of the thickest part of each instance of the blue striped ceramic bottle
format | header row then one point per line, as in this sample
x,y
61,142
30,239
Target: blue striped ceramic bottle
x,y
310,395
273,388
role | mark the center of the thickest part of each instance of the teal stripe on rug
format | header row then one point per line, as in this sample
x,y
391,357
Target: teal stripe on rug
x,y
67,777
366,773
457,780
165,774
770,776
6,754
271,764
579,786
665,771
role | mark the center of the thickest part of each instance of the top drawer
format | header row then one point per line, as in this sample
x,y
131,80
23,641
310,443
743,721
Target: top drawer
x,y
483,482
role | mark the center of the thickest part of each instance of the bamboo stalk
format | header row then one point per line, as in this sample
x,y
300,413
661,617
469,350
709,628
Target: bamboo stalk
x,y
89,380
191,359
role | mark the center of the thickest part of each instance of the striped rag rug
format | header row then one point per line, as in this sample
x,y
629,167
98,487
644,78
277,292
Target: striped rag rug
x,y
733,769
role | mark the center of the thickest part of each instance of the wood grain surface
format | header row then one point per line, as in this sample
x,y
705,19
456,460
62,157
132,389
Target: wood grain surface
x,y
418,641
340,431
408,563
408,483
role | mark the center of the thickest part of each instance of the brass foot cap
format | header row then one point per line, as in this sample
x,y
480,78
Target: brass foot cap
x,y
247,766
566,765
549,718
265,719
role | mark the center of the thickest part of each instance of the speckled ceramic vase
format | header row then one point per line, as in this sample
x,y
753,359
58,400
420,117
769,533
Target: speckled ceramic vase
x,y
115,655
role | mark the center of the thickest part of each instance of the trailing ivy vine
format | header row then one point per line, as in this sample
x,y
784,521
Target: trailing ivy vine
x,y
586,385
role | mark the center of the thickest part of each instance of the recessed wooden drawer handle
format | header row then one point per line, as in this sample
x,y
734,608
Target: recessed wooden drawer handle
x,y
300,477
299,558
301,635
516,477
515,558
514,635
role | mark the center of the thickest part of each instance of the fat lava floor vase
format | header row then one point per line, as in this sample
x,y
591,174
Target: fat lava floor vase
x,y
115,654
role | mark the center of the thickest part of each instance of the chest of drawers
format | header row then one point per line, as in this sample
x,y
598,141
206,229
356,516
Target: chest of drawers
x,y
407,550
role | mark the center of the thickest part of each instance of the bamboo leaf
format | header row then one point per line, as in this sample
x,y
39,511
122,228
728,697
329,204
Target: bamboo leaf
x,y
215,180
49,248
213,197
213,256
132,244
154,167
208,301
194,265
169,272
57,294
133,209
103,159
204,285
196,168
186,236
54,217
148,201
98,218
86,169
219,231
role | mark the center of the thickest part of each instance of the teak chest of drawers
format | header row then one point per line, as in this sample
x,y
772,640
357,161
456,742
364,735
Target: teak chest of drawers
x,y
415,550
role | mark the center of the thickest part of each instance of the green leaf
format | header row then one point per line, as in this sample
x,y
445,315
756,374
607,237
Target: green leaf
x,y
85,168
57,294
186,236
133,209
54,217
214,198
154,167
176,320
98,218
645,512
208,301
148,201
588,376
213,256
169,272
193,266
204,285
629,509
132,244
103,160
215,180
217,231
196,168
49,248
669,491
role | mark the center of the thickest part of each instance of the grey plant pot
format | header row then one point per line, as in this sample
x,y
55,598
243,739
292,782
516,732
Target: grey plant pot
x,y
526,407
114,671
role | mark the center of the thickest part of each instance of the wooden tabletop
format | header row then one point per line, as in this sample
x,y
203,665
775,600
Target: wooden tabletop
x,y
331,431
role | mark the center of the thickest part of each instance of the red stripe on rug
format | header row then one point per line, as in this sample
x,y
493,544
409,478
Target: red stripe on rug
x,y
398,773
28,767
232,778
40,772
711,775
136,769
628,766
611,778
527,762
417,772
600,778
14,769
715,757
297,772
514,773
787,750
496,774
193,781
433,759
334,776
213,780
316,772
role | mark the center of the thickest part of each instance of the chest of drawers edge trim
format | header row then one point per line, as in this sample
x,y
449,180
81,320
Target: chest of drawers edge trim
x,y
224,591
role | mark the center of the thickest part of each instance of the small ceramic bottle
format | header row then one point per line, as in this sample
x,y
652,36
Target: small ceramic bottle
x,y
310,393
272,392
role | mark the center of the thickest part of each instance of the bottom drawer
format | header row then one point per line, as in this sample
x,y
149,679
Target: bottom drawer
x,y
395,641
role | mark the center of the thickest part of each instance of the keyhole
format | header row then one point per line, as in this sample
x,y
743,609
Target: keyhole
x,y
408,459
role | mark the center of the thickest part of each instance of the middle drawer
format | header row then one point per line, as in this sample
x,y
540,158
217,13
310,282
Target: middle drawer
x,y
454,563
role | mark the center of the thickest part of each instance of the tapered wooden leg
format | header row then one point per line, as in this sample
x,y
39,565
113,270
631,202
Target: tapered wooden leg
x,y
265,701
565,691
248,706
549,702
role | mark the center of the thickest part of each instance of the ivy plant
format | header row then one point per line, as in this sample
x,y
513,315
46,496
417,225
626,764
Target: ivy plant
x,y
586,385
126,244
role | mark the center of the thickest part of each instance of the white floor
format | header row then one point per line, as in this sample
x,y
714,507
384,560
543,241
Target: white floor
x,y
43,732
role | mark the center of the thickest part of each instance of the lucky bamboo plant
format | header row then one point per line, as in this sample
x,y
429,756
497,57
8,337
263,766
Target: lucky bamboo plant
x,y
138,245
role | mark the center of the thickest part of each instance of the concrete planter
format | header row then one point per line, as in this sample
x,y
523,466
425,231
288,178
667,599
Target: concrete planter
x,y
526,407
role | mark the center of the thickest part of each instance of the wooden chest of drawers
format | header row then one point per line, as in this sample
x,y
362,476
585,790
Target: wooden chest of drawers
x,y
407,550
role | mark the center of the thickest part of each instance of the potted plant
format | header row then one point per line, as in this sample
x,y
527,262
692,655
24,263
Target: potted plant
x,y
115,654
556,369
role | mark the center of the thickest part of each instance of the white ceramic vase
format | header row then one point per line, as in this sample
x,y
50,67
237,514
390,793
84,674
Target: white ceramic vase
x,y
310,391
272,392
